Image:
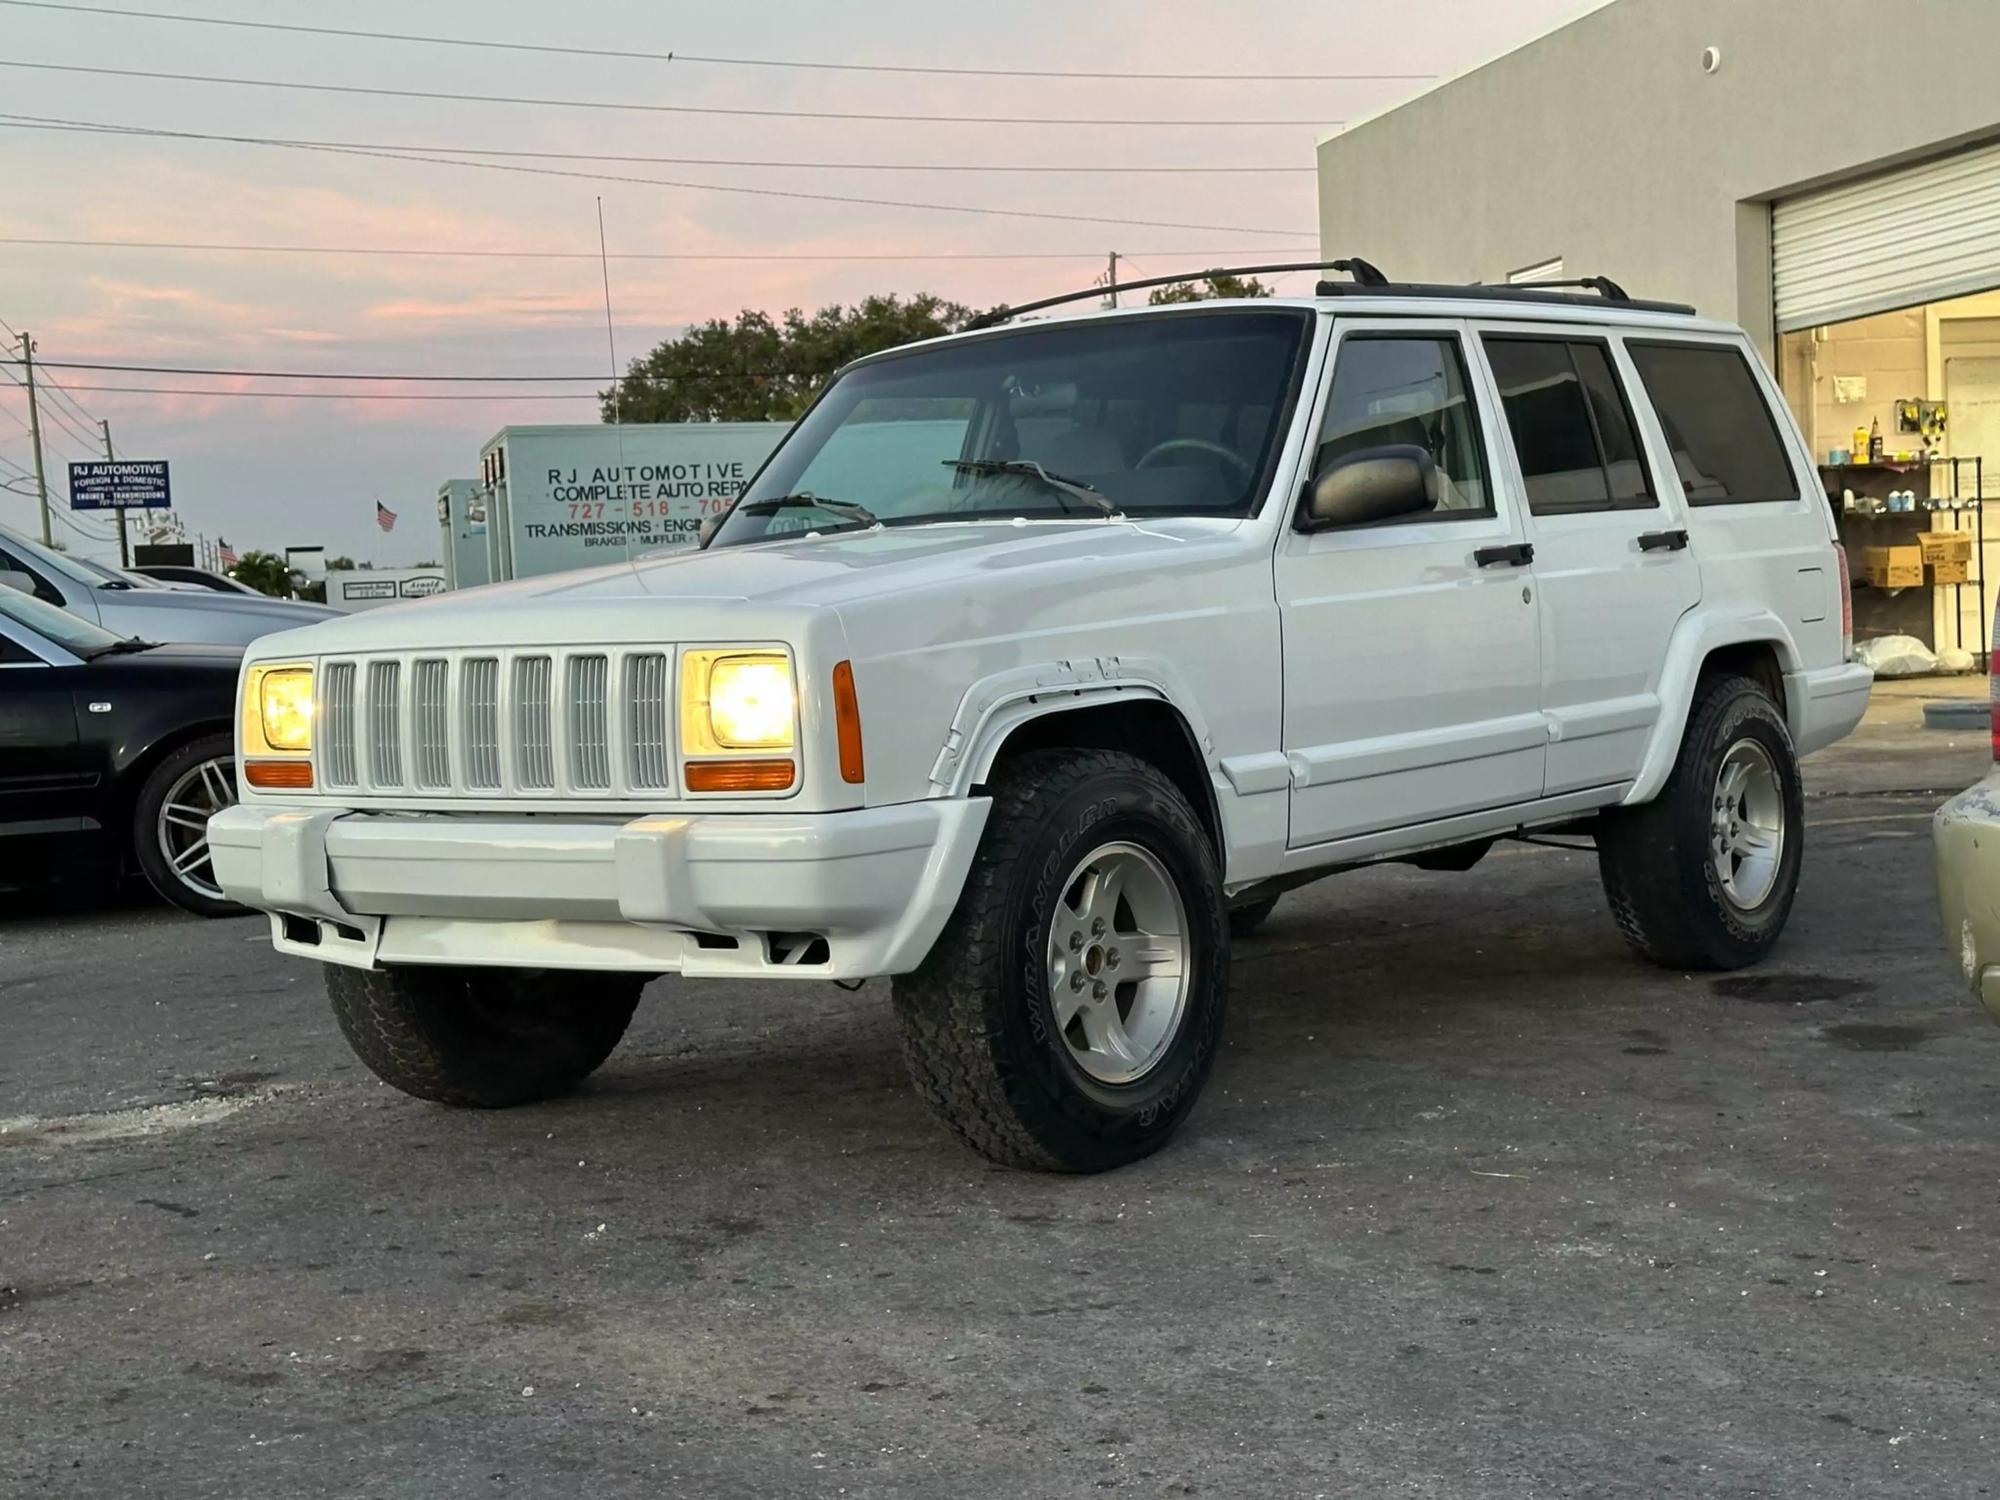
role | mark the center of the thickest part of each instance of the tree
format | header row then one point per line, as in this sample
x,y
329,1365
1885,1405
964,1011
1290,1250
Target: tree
x,y
757,370
342,565
1221,285
430,562
265,572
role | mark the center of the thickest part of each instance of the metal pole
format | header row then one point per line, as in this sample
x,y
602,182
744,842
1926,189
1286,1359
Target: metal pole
x,y
124,551
610,338
35,437
1111,278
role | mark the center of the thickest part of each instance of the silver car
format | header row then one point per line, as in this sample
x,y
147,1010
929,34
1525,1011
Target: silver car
x,y
127,604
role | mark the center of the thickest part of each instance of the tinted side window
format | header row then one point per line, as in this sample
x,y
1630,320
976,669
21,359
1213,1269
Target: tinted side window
x,y
1389,391
1725,445
1572,428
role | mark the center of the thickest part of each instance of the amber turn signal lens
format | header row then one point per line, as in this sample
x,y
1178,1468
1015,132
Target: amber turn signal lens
x,y
739,775
292,775
847,723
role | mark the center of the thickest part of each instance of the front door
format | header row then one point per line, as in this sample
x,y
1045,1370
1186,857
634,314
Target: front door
x,y
1411,671
1613,562
42,787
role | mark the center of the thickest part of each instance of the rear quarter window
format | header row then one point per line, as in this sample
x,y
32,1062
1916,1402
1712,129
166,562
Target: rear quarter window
x,y
1724,441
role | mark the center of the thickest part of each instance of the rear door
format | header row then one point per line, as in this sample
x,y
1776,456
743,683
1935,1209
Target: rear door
x,y
1614,563
1410,648
1754,507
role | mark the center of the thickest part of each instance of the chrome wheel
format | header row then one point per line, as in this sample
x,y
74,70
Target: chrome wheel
x,y
200,792
1747,824
1119,962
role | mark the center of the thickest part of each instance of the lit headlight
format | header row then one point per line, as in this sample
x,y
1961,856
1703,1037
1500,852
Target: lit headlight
x,y
285,707
736,700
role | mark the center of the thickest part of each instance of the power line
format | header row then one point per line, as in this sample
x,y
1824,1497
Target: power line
x,y
1072,168
1204,257
86,417
70,364
714,61
151,390
52,409
699,187
378,92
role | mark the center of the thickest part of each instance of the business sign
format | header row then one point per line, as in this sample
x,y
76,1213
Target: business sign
x,y
120,484
370,588
574,497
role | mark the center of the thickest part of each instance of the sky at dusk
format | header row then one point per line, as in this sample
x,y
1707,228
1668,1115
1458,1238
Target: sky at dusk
x,y
274,472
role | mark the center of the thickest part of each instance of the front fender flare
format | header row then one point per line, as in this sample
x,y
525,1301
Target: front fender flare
x,y
995,706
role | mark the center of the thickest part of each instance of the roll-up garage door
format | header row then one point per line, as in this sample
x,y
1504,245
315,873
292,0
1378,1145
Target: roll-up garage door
x,y
1917,234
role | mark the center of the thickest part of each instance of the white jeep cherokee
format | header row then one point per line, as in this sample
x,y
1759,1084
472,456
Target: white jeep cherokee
x,y
1040,659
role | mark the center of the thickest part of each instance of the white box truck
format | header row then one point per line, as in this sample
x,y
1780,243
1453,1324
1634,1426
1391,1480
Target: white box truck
x,y
575,496
462,534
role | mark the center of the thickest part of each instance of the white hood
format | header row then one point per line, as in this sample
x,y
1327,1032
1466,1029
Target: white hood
x,y
762,590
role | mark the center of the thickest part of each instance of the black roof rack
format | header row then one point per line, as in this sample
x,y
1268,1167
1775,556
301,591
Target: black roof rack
x,y
1368,282
1366,277
1545,293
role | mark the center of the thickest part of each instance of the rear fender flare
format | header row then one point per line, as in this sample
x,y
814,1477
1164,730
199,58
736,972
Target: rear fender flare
x,y
1694,639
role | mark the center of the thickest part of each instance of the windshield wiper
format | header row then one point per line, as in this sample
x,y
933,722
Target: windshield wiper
x,y
129,644
807,500
1067,489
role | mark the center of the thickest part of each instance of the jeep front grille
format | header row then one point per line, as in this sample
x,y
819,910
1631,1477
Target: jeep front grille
x,y
542,722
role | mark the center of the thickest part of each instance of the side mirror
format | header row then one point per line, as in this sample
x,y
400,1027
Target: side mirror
x,y
1368,485
709,526
13,580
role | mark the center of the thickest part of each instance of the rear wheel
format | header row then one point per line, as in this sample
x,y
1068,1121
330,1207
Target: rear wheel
x,y
1069,1013
1703,876
170,824
487,1038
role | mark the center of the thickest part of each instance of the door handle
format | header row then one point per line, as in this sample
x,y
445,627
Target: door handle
x,y
1662,541
1515,555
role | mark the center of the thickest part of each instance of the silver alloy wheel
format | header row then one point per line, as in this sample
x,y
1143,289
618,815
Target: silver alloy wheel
x,y
200,792
1747,824
1119,961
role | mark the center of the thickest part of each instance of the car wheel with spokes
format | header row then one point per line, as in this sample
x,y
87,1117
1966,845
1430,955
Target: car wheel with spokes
x,y
1702,877
170,824
1069,1013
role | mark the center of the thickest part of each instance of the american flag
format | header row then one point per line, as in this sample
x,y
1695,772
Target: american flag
x,y
225,554
384,517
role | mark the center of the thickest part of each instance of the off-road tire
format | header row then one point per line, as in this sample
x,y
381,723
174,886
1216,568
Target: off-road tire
x,y
1655,860
1245,920
977,1024
146,851
482,1038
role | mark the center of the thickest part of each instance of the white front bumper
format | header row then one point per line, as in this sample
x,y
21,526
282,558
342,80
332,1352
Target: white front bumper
x,y
717,894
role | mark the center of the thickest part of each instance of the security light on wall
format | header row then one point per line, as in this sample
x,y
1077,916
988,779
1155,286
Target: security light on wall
x,y
1711,59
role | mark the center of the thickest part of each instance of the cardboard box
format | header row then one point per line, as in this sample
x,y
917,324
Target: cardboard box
x,y
1893,567
1952,570
1946,546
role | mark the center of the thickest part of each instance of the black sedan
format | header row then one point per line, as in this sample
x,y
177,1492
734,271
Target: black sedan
x,y
123,742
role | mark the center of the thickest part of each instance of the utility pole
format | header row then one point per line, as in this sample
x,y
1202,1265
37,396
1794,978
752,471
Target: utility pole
x,y
124,552
1111,279
35,437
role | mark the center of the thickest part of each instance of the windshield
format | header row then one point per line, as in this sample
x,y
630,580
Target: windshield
x,y
54,623
47,558
116,578
1177,414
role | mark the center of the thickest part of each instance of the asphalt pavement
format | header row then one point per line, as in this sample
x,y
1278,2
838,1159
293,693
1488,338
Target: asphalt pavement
x,y
1476,1204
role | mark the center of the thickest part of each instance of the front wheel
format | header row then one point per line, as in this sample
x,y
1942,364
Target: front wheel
x,y
1703,876
170,824
1069,1013
486,1038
